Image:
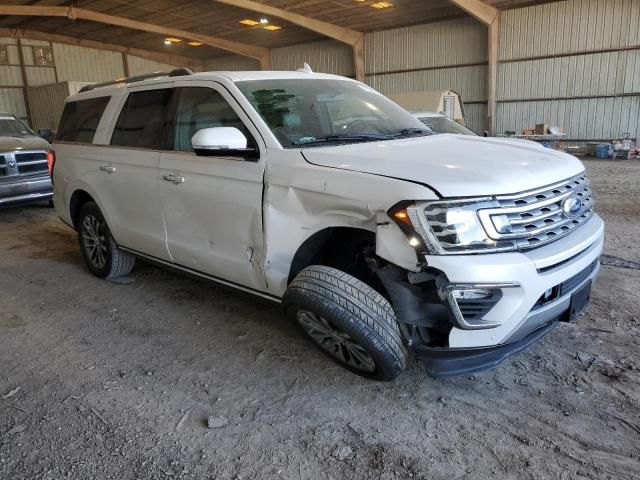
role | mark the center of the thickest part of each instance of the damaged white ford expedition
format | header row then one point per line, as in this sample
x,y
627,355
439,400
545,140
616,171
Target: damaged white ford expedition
x,y
379,238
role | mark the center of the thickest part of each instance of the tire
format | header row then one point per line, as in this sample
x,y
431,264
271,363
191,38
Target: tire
x,y
348,320
106,260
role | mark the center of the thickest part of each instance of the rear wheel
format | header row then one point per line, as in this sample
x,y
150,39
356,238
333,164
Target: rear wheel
x,y
99,250
347,320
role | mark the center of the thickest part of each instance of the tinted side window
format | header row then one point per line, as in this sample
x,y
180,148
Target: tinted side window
x,y
143,119
80,120
198,108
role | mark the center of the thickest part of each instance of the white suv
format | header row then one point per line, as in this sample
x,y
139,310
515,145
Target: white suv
x,y
316,191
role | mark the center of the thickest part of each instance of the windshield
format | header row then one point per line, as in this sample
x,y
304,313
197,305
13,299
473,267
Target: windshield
x,y
445,125
316,112
12,127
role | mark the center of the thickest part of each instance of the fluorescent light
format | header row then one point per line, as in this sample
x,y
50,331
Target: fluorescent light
x,y
248,21
381,5
170,40
195,44
272,27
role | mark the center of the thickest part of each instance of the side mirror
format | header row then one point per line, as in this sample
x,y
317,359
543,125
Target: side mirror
x,y
221,142
45,133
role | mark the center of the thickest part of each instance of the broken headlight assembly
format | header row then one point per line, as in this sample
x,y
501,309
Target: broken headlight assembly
x,y
448,227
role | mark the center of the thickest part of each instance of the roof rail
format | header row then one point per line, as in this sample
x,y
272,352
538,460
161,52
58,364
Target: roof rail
x,y
176,72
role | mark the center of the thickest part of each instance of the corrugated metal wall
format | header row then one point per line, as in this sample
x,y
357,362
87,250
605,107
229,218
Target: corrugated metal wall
x,y
574,64
11,92
328,56
231,63
138,66
71,63
435,56
79,64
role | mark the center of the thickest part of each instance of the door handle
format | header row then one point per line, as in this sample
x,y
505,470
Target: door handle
x,y
108,168
173,178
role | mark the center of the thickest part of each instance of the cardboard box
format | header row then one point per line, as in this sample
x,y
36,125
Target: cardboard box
x,y
527,131
542,128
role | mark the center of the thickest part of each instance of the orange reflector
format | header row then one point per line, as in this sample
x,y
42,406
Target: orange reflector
x,y
402,216
51,160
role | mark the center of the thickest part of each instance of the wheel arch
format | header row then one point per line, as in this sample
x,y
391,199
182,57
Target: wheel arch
x,y
77,200
321,247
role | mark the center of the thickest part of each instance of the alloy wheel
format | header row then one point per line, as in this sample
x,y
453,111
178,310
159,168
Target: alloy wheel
x,y
94,241
339,344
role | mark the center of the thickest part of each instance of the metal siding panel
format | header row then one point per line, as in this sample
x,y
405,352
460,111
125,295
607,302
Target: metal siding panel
x,y
231,63
454,42
326,57
10,76
470,82
13,54
86,64
12,101
589,118
27,52
585,75
38,43
569,27
139,66
40,76
46,104
475,116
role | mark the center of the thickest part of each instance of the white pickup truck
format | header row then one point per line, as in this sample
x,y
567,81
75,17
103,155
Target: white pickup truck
x,y
314,190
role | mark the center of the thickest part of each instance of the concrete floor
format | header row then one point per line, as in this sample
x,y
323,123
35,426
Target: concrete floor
x,y
102,380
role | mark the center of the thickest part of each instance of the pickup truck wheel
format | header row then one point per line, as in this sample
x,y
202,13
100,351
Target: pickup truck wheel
x,y
347,320
99,249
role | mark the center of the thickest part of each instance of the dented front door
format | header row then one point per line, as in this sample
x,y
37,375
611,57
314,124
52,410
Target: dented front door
x,y
212,206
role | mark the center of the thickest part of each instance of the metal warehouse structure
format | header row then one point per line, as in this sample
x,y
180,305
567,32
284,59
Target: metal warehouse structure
x,y
571,63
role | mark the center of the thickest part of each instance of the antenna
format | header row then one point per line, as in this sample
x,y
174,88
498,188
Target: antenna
x,y
305,68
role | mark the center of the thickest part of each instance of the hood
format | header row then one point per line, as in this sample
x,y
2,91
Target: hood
x,y
454,165
29,142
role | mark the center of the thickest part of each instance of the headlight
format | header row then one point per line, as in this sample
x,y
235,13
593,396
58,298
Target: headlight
x,y
450,227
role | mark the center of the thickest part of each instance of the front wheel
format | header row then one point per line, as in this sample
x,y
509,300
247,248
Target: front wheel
x,y
99,250
347,320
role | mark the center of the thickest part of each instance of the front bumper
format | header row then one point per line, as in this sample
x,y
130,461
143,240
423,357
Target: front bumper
x,y
535,272
450,362
16,190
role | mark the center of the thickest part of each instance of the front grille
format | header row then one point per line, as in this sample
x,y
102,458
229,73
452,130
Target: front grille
x,y
23,163
537,217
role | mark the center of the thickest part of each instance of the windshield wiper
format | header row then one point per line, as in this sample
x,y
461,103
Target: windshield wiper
x,y
412,131
360,137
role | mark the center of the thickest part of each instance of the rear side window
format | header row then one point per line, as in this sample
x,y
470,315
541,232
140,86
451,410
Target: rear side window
x,y
80,120
143,119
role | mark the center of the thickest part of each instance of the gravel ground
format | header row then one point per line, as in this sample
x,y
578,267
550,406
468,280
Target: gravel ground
x,y
110,381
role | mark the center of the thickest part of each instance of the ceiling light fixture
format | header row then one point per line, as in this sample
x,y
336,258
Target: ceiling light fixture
x,y
272,27
195,44
381,5
264,21
249,22
170,40
167,41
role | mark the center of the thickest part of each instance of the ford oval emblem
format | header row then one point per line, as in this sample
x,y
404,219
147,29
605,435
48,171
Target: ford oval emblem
x,y
571,206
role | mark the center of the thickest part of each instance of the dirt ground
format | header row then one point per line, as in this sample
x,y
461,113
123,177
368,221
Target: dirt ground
x,y
110,381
